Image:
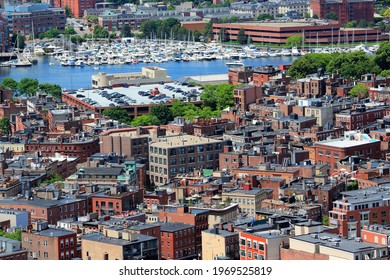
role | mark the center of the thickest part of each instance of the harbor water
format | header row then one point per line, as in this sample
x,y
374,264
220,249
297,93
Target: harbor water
x,y
80,77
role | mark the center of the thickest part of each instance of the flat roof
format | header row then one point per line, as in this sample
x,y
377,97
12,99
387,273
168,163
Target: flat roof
x,y
172,227
328,240
132,93
222,232
99,237
345,143
183,140
54,232
39,202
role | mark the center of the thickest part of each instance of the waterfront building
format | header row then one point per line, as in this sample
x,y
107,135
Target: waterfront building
x,y
40,16
314,32
4,35
77,7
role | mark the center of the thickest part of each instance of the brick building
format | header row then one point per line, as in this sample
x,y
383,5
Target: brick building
x,y
263,74
240,75
178,241
360,208
77,7
377,234
215,126
261,245
48,210
181,154
117,200
38,16
4,35
130,142
182,214
314,85
358,118
82,147
353,143
158,197
346,10
245,95
50,244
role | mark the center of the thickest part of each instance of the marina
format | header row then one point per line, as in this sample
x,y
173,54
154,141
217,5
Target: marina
x,y
72,66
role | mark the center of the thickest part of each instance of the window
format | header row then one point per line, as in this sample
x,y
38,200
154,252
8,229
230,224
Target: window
x,y
200,149
242,253
242,242
45,255
248,244
261,246
249,254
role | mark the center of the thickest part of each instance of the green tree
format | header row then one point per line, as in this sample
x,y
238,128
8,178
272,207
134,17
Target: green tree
x,y
358,91
196,35
307,15
100,32
9,83
351,24
363,23
331,15
308,64
144,120
218,97
294,41
28,86
52,33
53,179
16,235
222,35
170,8
315,16
125,31
68,11
208,31
53,89
385,73
352,65
163,113
92,18
69,30
5,126
241,37
264,17
325,220
19,40
382,57
77,39
118,114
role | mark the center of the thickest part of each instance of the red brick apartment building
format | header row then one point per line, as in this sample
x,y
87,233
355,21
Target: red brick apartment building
x,y
245,95
346,10
178,241
360,208
51,244
48,210
159,197
182,214
240,75
331,151
77,7
4,35
377,234
279,32
261,245
82,149
116,201
212,127
358,118
43,21
263,74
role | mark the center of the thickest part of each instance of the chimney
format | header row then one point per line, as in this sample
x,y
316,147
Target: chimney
x,y
230,227
220,226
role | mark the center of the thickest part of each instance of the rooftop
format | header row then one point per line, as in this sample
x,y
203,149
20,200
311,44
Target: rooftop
x,y
330,240
224,233
172,227
99,237
182,140
54,232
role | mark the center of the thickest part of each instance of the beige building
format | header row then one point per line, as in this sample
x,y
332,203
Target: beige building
x,y
149,75
249,201
332,247
218,242
181,154
221,215
323,115
119,244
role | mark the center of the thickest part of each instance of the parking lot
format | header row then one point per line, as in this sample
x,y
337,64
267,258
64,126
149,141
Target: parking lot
x,y
138,95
